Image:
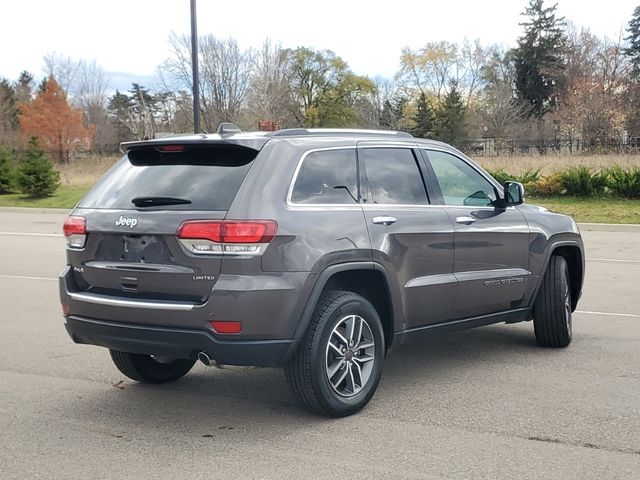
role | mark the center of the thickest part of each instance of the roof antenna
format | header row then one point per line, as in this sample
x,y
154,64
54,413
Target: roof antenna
x,y
227,128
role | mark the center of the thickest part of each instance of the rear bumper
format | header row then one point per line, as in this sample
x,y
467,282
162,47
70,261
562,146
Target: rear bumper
x,y
177,342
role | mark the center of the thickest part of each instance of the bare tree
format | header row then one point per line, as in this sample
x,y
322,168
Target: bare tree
x,y
64,69
269,96
225,72
438,66
498,112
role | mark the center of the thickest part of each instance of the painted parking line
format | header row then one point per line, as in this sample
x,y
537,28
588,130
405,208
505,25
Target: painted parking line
x,y
586,312
23,277
618,260
30,234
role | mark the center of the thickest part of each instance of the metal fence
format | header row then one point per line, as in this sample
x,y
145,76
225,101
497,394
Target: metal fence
x,y
493,147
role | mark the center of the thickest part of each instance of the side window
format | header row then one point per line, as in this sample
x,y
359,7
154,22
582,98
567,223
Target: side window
x,y
459,182
327,177
394,176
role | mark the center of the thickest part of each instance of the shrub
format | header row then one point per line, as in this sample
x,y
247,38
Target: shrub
x,y
531,175
7,173
583,182
36,175
546,186
624,183
500,175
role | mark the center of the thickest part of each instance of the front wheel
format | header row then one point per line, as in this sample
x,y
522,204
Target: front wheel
x,y
552,310
339,363
149,369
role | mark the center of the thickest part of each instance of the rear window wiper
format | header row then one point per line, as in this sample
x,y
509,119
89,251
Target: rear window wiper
x,y
155,201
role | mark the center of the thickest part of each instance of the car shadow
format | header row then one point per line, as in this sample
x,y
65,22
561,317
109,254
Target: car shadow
x,y
209,401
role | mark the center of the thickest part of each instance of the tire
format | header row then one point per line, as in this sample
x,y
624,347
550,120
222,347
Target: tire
x,y
328,376
147,369
552,310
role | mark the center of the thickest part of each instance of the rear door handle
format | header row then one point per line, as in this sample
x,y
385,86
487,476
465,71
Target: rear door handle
x,y
384,220
465,219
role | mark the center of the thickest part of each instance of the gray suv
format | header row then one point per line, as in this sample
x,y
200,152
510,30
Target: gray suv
x,y
314,250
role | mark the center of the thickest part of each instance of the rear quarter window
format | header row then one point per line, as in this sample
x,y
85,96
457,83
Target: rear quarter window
x,y
208,176
327,177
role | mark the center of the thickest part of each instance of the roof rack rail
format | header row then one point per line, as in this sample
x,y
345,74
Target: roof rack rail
x,y
299,132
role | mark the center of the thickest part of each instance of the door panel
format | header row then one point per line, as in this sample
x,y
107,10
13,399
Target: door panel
x,y
411,239
491,260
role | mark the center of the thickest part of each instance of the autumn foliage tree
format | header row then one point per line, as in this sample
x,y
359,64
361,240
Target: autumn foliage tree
x,y
57,125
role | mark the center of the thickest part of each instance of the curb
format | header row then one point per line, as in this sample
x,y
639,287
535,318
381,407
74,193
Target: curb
x,y
609,227
33,210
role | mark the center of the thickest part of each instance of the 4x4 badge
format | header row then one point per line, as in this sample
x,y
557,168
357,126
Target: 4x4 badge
x,y
126,222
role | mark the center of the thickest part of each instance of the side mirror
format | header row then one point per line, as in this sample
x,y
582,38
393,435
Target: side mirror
x,y
513,193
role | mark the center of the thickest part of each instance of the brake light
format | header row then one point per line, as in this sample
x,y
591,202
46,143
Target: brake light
x,y
75,229
227,236
170,148
220,326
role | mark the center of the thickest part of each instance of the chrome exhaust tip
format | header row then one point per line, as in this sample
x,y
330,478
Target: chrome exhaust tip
x,y
204,358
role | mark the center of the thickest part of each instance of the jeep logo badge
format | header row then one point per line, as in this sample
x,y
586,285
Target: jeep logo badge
x,y
126,222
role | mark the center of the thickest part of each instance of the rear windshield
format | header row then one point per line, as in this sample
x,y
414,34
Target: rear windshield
x,y
207,176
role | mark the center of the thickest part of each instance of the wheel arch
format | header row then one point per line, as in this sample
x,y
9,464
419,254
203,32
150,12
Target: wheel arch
x,y
368,279
572,252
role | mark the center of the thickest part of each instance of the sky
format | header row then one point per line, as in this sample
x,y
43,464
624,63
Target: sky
x,y
128,38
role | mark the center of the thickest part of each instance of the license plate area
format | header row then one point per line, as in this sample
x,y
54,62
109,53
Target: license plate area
x,y
134,249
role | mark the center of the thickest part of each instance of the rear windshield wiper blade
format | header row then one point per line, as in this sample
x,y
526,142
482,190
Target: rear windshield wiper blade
x,y
155,201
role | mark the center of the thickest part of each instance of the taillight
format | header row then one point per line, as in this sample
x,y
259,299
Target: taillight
x,y
226,236
75,229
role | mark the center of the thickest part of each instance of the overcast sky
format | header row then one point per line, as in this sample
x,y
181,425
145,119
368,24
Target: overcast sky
x,y
128,38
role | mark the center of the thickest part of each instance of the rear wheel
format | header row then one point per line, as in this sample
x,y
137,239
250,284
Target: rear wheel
x,y
552,310
338,366
149,369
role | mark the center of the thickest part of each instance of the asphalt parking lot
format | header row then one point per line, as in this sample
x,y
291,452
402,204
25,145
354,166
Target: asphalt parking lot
x,y
485,403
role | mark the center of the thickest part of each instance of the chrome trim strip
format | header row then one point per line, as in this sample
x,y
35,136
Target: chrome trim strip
x,y
491,274
120,302
443,278
429,280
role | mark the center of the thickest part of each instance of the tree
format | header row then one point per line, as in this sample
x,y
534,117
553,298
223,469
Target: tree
x,y
24,87
323,89
225,72
596,94
539,60
268,97
632,51
36,176
51,119
449,122
135,113
437,66
424,118
8,113
499,110
6,170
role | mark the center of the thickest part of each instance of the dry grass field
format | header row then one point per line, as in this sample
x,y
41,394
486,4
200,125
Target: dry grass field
x,y
84,170
554,163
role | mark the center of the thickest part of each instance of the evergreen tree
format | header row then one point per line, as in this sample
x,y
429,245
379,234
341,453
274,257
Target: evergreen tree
x,y
539,58
633,49
24,87
449,121
36,176
392,112
6,171
424,118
